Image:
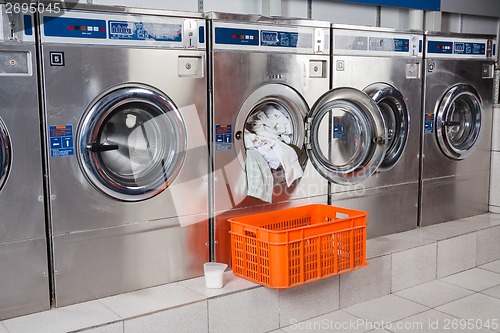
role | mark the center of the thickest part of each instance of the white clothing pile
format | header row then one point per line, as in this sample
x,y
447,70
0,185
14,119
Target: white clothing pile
x,y
269,132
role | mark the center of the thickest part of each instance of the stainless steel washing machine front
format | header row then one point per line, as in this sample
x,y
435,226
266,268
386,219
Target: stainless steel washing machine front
x,y
24,277
387,65
126,111
266,67
457,123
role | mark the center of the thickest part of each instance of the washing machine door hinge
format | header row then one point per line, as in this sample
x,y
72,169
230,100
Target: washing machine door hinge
x,y
307,138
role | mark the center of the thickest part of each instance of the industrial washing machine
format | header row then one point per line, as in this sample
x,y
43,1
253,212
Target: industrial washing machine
x,y
24,277
270,88
387,65
126,108
457,123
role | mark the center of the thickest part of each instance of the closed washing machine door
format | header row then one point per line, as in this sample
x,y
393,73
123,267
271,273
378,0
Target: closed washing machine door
x,y
458,121
397,120
132,142
5,154
346,136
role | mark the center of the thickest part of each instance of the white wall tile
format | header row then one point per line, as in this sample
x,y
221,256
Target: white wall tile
x,y
366,283
488,245
189,318
413,267
255,310
495,138
456,254
309,300
391,17
234,6
338,12
294,8
495,180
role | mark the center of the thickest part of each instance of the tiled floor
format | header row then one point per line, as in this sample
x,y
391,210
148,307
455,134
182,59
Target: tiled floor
x,y
435,279
468,301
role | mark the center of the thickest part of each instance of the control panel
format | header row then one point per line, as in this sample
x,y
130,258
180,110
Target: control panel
x,y
270,38
347,42
115,29
442,47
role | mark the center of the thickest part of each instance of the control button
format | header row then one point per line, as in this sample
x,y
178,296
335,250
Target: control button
x,y
340,65
57,58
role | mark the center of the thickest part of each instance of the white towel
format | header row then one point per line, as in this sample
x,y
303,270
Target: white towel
x,y
259,176
289,161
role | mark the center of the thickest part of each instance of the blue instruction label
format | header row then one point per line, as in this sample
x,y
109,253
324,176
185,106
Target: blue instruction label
x,y
61,140
429,123
339,128
223,137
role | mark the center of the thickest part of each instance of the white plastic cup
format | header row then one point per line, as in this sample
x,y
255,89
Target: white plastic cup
x,y
214,274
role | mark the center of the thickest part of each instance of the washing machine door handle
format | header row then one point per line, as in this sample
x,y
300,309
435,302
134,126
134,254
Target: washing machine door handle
x,y
451,123
98,148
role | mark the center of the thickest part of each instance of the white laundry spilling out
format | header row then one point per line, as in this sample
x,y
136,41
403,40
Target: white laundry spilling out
x,y
269,132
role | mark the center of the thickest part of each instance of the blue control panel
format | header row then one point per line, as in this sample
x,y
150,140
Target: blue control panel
x,y
429,123
230,36
163,32
440,47
279,38
61,140
56,26
447,47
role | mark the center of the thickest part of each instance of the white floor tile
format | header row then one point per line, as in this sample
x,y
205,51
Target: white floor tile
x,y
338,321
480,222
493,266
385,309
309,300
494,292
254,310
65,319
111,328
476,279
189,318
478,307
430,322
488,246
434,293
445,230
380,246
456,254
413,267
151,300
2,328
232,284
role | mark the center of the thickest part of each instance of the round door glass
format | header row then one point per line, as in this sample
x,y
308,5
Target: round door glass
x,y
271,122
5,154
459,121
132,143
396,117
347,137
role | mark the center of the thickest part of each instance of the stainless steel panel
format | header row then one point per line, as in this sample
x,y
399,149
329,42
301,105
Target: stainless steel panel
x,y
440,75
24,277
222,227
391,209
230,92
360,72
70,89
21,199
450,198
101,263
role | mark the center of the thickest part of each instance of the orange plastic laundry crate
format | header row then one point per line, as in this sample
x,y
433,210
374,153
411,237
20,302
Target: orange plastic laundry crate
x,y
290,247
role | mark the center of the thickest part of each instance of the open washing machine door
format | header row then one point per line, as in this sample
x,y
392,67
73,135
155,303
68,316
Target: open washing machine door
x,y
458,121
397,120
5,154
132,142
346,136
